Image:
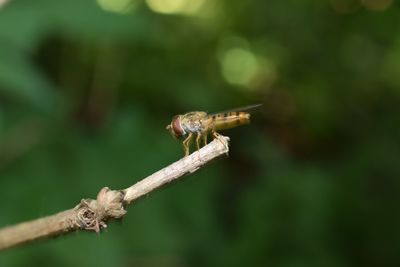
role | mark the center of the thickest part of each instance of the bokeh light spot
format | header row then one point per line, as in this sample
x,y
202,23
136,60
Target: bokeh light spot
x,y
376,5
117,6
175,6
239,66
3,2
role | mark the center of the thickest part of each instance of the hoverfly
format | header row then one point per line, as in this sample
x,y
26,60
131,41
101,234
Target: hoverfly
x,y
199,124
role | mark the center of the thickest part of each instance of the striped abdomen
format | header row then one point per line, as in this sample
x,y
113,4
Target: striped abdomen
x,y
230,119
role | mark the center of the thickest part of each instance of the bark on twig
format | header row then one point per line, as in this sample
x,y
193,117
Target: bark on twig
x,y
93,215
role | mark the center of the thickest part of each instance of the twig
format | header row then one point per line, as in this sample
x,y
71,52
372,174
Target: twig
x,y
93,215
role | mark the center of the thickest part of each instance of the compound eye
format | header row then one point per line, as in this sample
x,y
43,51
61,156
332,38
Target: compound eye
x,y
176,126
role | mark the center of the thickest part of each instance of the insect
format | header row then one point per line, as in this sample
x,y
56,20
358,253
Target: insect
x,y
199,124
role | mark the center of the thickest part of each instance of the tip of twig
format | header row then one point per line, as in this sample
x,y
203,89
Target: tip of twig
x,y
218,147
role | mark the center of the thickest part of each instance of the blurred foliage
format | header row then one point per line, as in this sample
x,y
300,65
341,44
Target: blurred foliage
x,y
87,88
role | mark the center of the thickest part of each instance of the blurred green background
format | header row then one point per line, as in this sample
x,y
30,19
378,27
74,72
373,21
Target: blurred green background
x,y
87,88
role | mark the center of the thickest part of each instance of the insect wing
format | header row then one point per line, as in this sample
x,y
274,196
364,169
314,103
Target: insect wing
x,y
245,108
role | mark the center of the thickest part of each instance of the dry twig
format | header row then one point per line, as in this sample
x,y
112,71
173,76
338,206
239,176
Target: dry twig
x,y
93,215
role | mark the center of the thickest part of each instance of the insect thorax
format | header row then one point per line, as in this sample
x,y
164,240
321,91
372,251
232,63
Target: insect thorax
x,y
193,127
192,122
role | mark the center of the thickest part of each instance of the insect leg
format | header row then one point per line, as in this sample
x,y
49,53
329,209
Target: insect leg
x,y
198,140
186,144
205,138
218,137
